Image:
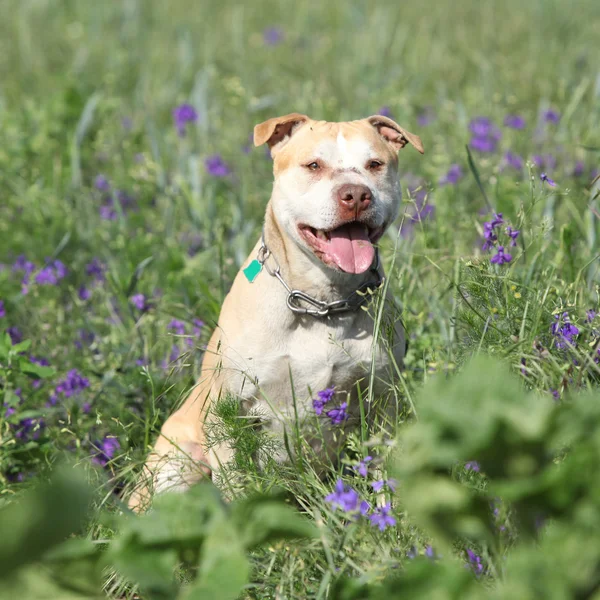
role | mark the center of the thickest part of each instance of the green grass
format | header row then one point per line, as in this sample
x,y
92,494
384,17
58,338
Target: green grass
x,y
71,71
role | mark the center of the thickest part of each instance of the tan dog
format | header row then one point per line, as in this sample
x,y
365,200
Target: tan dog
x,y
336,191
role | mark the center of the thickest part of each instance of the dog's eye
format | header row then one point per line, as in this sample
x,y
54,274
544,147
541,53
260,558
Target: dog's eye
x,y
374,164
313,166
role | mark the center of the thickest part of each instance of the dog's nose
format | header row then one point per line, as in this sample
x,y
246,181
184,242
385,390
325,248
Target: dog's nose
x,y
353,198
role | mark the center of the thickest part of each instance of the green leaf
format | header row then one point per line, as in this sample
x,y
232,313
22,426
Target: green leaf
x,y
35,370
224,568
41,519
265,519
21,347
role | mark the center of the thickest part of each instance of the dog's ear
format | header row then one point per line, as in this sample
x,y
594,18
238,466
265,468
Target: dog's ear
x,y
278,129
397,136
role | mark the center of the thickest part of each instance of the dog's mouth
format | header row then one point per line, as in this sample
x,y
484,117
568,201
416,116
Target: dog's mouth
x,y
348,247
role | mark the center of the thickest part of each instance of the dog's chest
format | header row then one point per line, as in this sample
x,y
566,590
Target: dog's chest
x,y
305,360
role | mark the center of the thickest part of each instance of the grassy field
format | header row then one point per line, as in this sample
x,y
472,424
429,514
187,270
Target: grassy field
x,y
120,234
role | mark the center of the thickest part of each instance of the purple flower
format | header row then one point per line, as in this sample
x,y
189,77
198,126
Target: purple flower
x,y
485,135
362,468
475,562
126,123
323,397
379,485
555,394
453,175
579,168
429,552
426,116
72,385
101,183
514,121
51,274
343,497
547,161
139,301
198,326
83,293
364,508
24,265
338,415
2,309
216,166
105,450
272,36
551,116
29,429
385,111
472,465
15,335
513,160
564,331
590,315
547,179
489,233
182,115
501,257
95,268
513,234
176,326
382,518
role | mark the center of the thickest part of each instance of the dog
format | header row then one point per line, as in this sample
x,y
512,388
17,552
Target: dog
x,y
296,320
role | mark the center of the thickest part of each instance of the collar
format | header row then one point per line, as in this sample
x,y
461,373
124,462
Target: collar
x,y
302,303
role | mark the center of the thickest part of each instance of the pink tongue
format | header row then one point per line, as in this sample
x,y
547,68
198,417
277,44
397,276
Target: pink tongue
x,y
351,248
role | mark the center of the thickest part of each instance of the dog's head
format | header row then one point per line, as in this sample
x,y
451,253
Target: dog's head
x,y
336,184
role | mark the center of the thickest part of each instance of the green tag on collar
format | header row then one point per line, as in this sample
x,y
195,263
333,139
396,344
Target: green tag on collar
x,y
252,270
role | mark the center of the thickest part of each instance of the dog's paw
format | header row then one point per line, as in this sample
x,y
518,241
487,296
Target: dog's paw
x,y
174,471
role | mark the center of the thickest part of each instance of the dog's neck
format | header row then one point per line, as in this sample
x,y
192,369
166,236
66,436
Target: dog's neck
x,y
305,273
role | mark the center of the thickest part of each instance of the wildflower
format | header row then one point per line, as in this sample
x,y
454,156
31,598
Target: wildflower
x,y
362,468
178,327
127,123
555,394
475,562
513,234
182,115
564,331
83,293
2,309
578,169
364,508
272,36
139,301
29,429
590,315
551,116
101,183
514,121
338,415
72,385
15,335
485,135
489,228
198,326
105,450
472,465
546,161
426,116
385,111
51,274
501,257
216,166
379,485
95,268
429,552
453,175
547,179
343,497
323,397
513,160
382,518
